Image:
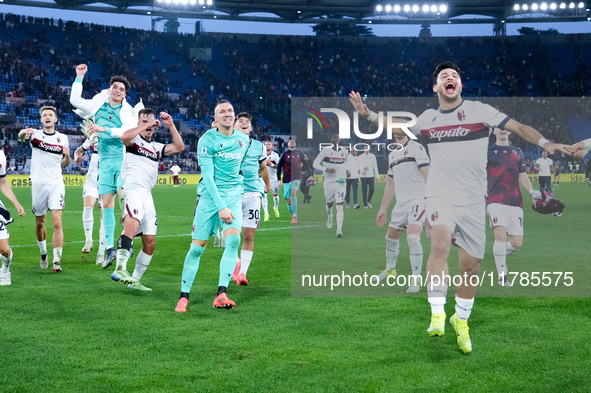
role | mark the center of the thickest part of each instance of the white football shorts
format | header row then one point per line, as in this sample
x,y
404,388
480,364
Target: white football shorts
x,y
140,205
467,223
251,209
48,197
510,217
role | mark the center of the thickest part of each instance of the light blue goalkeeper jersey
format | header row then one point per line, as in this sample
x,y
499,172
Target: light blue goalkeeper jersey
x,y
108,117
225,155
250,167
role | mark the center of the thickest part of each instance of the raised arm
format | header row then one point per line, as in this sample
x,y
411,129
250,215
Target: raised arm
x,y
361,108
531,135
177,144
389,192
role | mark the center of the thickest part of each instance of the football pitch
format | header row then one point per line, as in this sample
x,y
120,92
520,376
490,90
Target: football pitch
x,y
79,331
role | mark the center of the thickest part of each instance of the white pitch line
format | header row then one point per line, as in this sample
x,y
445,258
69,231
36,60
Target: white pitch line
x,y
179,235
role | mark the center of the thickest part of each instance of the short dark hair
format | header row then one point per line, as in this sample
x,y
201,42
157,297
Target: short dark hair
x,y
48,108
122,79
244,114
147,112
442,66
224,101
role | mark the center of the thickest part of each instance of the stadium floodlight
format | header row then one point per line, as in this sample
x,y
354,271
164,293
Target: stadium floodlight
x,y
407,8
388,8
201,2
425,8
552,6
534,7
209,2
397,8
562,6
167,1
581,5
434,8
525,7
415,8
443,8
571,5
516,7
185,2
543,6
379,8
193,2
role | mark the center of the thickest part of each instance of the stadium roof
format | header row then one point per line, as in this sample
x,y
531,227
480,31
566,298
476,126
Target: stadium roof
x,y
320,11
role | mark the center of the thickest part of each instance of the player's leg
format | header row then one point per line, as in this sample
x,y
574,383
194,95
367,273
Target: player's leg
x,y
109,226
109,181
57,241
339,197
500,253
329,197
56,203
372,187
124,244
295,186
469,266
250,222
355,187
275,193
392,251
100,255
148,226
413,238
205,222
348,193
89,196
265,203
40,195
88,222
41,234
470,237
143,261
436,276
5,257
364,187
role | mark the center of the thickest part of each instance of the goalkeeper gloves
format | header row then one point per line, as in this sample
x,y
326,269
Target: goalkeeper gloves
x,y
92,138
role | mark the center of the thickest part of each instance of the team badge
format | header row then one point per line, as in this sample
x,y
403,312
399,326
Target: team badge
x,y
434,216
58,140
461,115
241,144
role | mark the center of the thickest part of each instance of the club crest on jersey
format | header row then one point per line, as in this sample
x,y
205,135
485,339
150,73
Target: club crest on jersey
x,y
461,115
434,216
203,152
406,152
240,143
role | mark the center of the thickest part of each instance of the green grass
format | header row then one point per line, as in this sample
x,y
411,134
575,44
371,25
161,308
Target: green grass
x,y
80,332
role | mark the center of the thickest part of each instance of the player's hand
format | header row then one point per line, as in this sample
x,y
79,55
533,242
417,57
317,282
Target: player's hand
x,y
28,132
279,184
553,147
81,70
94,128
20,210
66,151
535,194
166,119
226,215
78,159
579,150
348,173
381,219
357,102
330,170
